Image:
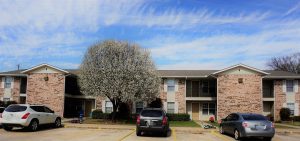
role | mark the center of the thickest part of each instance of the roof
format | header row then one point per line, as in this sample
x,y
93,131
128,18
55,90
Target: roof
x,y
185,73
241,65
44,65
269,74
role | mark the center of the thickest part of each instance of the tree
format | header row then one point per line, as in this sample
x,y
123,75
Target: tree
x,y
289,63
120,71
285,114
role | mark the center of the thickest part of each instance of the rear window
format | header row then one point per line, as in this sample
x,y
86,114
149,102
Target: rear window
x,y
151,113
254,117
15,108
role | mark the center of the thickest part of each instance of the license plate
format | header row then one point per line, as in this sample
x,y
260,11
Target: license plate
x,y
260,127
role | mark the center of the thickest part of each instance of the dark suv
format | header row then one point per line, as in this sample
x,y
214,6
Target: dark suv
x,y
152,120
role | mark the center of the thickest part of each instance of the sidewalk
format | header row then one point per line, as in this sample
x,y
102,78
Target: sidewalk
x,y
192,130
286,125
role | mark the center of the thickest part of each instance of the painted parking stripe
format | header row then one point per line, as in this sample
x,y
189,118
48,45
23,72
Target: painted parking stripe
x,y
220,136
173,133
127,135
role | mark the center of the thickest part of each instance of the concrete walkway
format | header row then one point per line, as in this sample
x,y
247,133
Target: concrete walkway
x,y
286,125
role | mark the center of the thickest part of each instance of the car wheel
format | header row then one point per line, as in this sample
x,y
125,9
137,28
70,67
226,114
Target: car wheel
x,y
236,134
57,123
221,130
7,128
33,126
267,138
138,132
165,133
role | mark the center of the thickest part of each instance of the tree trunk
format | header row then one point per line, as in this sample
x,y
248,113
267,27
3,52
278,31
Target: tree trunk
x,y
115,103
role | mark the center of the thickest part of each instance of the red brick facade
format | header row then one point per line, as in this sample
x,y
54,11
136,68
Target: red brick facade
x,y
280,98
239,97
47,92
180,96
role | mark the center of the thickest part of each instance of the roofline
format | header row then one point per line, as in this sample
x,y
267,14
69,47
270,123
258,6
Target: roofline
x,y
33,68
281,77
241,65
13,75
205,76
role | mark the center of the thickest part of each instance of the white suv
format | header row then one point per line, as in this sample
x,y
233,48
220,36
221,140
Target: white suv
x,y
30,116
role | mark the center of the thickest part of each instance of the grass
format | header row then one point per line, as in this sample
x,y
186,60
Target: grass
x,y
295,123
132,122
183,124
282,127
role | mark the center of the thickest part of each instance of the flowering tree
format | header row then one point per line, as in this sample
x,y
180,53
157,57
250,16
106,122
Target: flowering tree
x,y
120,71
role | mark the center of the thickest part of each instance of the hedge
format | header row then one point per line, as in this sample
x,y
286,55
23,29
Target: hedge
x,y
285,114
296,118
178,117
98,114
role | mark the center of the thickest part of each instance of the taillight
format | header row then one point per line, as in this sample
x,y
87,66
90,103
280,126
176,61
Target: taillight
x,y
245,124
164,122
25,116
272,125
138,119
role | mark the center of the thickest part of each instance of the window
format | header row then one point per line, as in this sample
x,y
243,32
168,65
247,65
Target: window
x,y
6,99
291,106
139,107
171,107
47,110
208,109
254,117
38,108
152,113
205,87
15,108
289,86
8,81
108,107
171,85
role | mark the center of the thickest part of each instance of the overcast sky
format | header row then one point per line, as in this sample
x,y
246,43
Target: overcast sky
x,y
185,34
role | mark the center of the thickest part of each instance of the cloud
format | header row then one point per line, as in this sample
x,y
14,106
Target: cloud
x,y
293,9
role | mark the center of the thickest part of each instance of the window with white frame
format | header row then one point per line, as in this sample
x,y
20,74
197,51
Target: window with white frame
x,y
171,107
291,106
7,82
108,107
139,107
289,85
208,109
171,85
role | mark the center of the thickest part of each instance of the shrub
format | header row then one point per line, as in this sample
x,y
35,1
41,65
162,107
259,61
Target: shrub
x,y
270,117
98,114
296,118
285,114
178,117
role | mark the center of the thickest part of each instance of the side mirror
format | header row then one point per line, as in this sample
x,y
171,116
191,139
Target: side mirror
x,y
223,119
52,112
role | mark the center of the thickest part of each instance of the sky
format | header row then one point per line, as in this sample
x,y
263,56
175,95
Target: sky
x,y
185,35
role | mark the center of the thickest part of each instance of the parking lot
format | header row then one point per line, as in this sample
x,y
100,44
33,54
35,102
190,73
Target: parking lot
x,y
83,134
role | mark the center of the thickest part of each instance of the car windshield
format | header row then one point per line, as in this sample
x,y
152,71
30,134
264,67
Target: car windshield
x,y
15,108
254,117
151,113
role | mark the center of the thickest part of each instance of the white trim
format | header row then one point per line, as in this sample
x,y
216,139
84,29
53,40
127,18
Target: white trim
x,y
176,107
296,86
284,86
13,75
281,77
201,98
184,76
23,95
103,106
268,99
12,82
176,85
43,65
241,65
79,96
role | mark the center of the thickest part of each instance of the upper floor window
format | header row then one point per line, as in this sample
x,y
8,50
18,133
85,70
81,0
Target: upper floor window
x,y
171,85
289,85
291,106
8,81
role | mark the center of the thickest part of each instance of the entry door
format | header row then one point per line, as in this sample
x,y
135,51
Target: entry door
x,y
195,111
88,108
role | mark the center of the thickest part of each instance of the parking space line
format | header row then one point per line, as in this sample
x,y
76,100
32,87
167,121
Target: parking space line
x,y
219,135
127,135
173,133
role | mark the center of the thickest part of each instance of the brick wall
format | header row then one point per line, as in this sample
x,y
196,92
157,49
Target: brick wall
x,y
280,98
15,91
297,96
98,101
1,89
180,96
239,97
49,93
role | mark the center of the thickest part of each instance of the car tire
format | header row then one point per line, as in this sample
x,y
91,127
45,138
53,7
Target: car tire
x,y
267,138
138,132
221,130
165,133
33,126
57,123
7,128
236,134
